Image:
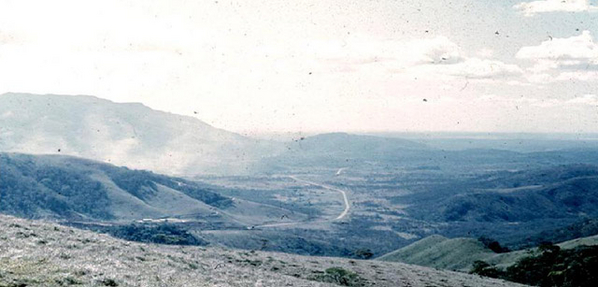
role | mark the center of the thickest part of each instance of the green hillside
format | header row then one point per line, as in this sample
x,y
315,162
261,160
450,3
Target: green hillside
x,y
460,253
440,252
72,189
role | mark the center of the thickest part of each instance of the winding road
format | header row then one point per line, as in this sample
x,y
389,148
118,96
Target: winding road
x,y
331,188
345,199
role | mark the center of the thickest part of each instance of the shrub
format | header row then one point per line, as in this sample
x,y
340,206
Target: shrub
x,y
552,267
493,244
109,282
484,269
341,277
364,253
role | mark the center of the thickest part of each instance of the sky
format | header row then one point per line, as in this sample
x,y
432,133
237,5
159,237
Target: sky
x,y
318,66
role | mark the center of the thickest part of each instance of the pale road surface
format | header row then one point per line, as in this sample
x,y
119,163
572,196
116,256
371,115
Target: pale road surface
x,y
340,170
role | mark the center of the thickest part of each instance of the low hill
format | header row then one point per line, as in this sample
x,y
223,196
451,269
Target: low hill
x,y
584,228
45,254
74,189
440,252
568,198
342,149
460,253
568,191
588,241
364,145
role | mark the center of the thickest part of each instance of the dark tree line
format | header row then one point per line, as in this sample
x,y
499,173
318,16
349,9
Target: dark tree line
x,y
551,267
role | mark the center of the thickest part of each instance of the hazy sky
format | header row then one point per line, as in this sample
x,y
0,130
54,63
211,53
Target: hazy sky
x,y
318,65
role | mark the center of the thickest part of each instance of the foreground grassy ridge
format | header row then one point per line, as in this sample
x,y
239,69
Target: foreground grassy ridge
x,y
35,253
440,252
460,253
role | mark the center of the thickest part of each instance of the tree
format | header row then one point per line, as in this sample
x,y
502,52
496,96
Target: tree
x,y
364,253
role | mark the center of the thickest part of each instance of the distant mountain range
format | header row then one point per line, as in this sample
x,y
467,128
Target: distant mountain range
x,y
128,134
338,144
133,135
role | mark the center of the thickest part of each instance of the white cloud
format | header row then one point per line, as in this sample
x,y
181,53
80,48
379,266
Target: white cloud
x,y
518,83
8,38
364,51
585,100
562,59
588,99
419,57
578,76
532,8
471,68
439,50
425,58
580,47
485,53
539,78
7,114
483,69
445,57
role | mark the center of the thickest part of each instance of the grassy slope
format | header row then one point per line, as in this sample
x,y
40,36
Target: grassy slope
x,y
440,252
460,253
40,253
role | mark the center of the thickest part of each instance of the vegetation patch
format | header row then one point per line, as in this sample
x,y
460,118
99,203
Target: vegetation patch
x,y
340,276
364,253
142,184
109,282
493,245
154,233
551,267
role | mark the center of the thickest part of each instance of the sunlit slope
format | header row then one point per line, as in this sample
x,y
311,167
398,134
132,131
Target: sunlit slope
x,y
460,253
440,252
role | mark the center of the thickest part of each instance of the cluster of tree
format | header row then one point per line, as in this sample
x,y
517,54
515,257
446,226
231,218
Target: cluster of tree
x,y
493,244
551,267
29,189
65,187
364,253
155,233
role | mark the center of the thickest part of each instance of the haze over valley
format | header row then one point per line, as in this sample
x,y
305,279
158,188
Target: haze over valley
x,y
299,143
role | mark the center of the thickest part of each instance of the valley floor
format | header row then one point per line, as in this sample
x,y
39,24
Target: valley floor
x,y
36,253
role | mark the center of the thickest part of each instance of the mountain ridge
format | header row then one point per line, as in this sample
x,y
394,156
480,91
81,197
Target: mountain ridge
x,y
130,134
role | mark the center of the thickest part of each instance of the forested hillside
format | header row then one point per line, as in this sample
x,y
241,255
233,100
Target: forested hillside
x,y
69,188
